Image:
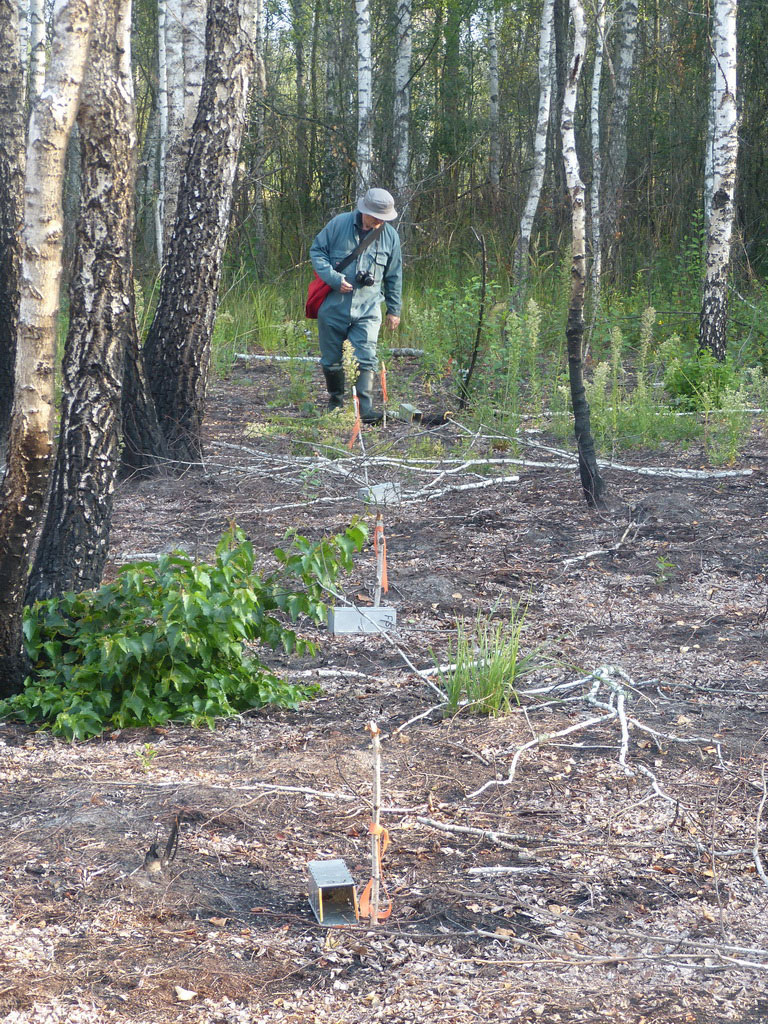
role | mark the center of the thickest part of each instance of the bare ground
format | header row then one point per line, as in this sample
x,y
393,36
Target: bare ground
x,y
633,885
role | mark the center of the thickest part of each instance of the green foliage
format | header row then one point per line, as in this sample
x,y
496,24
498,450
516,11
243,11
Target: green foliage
x,y
488,662
698,383
167,640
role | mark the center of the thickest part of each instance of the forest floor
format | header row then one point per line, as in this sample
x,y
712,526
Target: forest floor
x,y
612,873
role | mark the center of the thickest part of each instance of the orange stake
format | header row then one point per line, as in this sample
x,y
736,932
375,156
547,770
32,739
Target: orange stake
x,y
380,550
371,897
358,422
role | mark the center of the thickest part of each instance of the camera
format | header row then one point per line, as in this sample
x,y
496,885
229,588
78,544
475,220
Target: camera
x,y
364,278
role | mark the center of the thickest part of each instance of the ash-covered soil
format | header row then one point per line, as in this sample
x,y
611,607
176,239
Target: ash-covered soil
x,y
598,854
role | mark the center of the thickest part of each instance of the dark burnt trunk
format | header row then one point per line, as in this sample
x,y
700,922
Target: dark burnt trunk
x,y
177,352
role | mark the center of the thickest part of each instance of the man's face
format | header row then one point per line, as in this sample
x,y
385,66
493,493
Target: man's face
x,y
370,223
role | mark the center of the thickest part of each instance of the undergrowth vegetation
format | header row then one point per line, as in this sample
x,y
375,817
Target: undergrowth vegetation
x,y
647,382
176,639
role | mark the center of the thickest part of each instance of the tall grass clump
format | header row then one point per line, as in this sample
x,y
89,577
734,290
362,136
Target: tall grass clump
x,y
487,661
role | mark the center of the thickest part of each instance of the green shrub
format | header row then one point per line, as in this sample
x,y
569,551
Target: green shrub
x,y
698,383
166,640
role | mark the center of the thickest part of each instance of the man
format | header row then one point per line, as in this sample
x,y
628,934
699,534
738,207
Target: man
x,y
353,307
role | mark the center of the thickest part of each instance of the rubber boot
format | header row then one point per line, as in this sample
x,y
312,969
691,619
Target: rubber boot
x,y
334,382
364,388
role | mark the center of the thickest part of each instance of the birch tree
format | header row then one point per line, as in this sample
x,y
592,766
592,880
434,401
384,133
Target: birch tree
x,y
494,127
591,481
594,123
616,130
546,76
73,545
181,64
401,114
12,130
177,351
364,96
37,51
725,146
31,434
335,150
260,150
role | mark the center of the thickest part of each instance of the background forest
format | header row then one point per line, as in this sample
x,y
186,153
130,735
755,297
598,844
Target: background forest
x,y
473,95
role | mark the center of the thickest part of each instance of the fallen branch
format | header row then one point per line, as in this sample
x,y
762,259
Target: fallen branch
x,y
756,848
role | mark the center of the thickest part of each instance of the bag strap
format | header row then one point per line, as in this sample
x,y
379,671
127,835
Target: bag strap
x,y
370,237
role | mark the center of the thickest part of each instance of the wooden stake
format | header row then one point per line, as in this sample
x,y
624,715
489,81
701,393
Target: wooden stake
x,y
375,834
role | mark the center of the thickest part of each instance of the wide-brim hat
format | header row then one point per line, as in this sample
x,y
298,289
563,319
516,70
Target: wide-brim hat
x,y
378,203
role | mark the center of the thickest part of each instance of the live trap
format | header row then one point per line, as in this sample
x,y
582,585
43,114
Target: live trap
x,y
332,893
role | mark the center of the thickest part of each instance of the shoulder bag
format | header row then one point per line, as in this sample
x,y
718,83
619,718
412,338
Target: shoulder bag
x,y
318,290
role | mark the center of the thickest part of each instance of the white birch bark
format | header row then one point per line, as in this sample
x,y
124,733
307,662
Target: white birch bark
x,y
364,96
494,154
260,152
31,438
725,147
402,104
162,128
22,7
73,544
546,75
709,153
12,133
336,154
193,37
174,84
594,122
616,126
573,180
37,54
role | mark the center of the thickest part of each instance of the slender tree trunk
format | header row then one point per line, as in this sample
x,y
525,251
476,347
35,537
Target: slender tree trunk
x,y
300,18
364,96
177,351
175,138
193,38
23,23
546,76
31,434
335,158
591,481
713,321
494,126
12,129
37,52
260,148
616,133
162,128
401,114
594,189
75,537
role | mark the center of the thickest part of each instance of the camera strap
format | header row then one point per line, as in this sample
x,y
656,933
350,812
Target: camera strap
x,y
372,235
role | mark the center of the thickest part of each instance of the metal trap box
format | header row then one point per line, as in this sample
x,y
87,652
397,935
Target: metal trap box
x,y
381,494
350,619
332,893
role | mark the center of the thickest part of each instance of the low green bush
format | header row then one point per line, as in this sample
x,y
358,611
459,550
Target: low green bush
x,y
167,640
698,383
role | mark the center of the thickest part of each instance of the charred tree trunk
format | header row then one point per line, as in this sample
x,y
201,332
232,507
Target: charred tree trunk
x,y
177,352
74,541
591,480
30,445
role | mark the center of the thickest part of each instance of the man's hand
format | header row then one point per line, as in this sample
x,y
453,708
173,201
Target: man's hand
x,y
345,286
393,322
